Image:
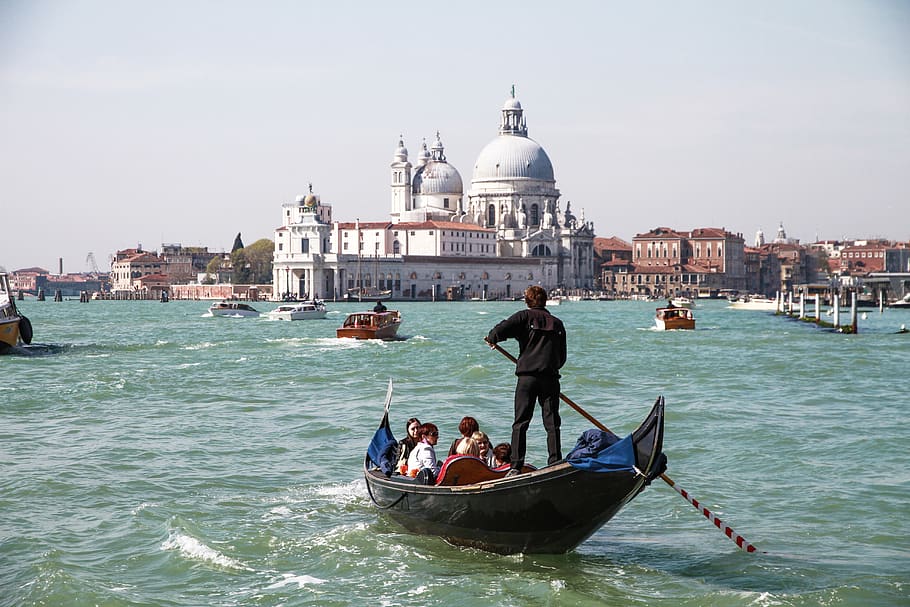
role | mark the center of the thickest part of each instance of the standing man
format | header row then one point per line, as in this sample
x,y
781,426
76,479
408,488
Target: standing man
x,y
542,353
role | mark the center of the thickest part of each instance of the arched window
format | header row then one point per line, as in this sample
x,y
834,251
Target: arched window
x,y
413,276
541,250
437,275
491,215
485,276
396,248
534,215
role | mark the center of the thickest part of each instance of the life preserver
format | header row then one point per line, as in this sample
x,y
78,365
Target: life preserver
x,y
25,329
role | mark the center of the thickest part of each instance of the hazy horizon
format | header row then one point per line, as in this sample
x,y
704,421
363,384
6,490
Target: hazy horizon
x,y
188,122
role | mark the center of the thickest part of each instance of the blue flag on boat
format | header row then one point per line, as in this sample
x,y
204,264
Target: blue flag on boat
x,y
599,451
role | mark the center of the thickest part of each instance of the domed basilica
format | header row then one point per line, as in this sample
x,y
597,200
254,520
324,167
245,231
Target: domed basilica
x,y
506,233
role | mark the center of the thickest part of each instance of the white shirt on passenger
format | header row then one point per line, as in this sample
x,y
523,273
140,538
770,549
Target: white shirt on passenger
x,y
423,456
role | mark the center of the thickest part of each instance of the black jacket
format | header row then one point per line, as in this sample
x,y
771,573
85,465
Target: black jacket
x,y
541,341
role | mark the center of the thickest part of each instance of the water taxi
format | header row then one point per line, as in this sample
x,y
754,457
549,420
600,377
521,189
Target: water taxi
x,y
303,310
668,319
370,325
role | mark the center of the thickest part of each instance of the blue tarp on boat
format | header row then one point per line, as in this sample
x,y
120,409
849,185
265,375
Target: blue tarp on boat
x,y
599,451
383,439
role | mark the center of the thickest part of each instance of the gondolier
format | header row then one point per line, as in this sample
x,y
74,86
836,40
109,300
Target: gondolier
x,y
542,353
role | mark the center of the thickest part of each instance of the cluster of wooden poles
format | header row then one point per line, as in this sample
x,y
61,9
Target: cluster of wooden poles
x,y
799,309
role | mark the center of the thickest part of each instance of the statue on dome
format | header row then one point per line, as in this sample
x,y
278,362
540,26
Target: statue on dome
x,y
547,221
522,215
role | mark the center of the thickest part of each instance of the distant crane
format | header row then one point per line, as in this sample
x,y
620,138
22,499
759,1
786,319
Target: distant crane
x,y
90,260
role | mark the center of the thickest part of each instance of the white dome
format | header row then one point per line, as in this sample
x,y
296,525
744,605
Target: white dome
x,y
437,177
513,157
511,104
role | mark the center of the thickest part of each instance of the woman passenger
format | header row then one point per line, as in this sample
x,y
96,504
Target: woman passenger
x,y
406,444
467,427
424,453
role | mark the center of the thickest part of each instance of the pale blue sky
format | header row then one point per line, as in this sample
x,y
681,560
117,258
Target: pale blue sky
x,y
127,122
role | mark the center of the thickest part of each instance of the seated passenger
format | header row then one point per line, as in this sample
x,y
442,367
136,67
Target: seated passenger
x,y
424,455
467,427
502,455
468,446
483,441
406,444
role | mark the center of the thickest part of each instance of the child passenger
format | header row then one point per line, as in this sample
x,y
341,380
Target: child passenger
x,y
502,455
486,452
468,446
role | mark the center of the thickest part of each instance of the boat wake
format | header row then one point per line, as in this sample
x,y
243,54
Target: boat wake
x,y
34,349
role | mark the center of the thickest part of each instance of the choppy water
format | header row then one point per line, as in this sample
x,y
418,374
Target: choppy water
x,y
153,455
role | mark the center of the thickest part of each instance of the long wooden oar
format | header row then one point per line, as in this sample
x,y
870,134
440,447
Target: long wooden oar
x,y
738,539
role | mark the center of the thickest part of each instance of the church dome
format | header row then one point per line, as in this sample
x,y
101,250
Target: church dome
x,y
511,104
513,157
437,177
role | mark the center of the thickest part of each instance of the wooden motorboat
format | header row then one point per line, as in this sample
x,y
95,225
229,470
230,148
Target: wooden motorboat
x,y
671,318
232,308
550,510
370,325
304,310
15,328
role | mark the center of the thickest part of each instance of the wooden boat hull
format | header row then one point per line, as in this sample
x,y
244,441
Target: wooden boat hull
x,y
9,332
673,324
14,327
389,332
551,510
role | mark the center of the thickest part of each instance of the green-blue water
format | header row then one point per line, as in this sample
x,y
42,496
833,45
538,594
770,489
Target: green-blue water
x,y
153,455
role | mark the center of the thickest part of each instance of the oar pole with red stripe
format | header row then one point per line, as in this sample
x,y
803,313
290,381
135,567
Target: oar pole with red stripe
x,y
728,531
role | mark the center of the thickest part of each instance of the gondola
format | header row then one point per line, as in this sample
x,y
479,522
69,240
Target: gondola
x,y
551,510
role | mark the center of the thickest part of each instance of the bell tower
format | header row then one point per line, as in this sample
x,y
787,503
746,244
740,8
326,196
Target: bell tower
x,y
401,182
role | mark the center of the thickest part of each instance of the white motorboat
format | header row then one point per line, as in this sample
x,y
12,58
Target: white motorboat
x,y
233,309
301,310
682,302
901,303
754,303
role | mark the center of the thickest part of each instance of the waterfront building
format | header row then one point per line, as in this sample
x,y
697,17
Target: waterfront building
x,y
507,232
669,263
614,257
128,266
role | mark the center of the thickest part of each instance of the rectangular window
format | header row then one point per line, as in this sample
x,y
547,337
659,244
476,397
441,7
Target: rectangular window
x,y
445,203
304,246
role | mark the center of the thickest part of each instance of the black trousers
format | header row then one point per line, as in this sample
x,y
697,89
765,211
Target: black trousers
x,y
528,391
